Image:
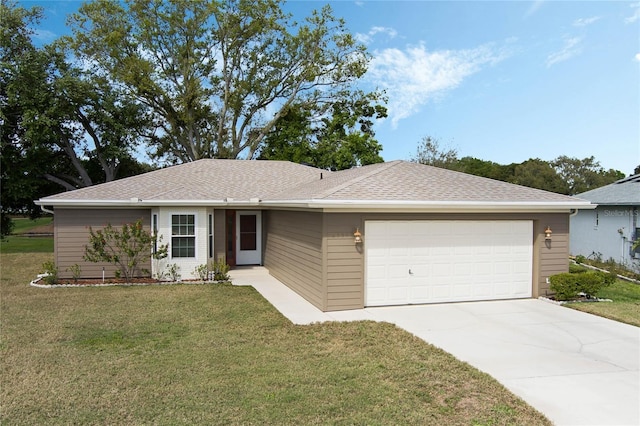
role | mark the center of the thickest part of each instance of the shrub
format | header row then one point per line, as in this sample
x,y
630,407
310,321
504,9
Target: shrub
x,y
580,259
576,269
51,270
568,286
126,247
220,270
76,271
565,286
202,272
173,272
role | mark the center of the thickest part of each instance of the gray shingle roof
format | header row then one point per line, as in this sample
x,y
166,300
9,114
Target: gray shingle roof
x,y
205,179
273,182
621,193
407,181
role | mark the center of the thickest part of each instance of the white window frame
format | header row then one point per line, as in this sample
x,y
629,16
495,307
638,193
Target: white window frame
x,y
193,236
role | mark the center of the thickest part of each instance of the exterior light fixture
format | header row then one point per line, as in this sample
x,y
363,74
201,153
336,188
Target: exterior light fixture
x,y
357,236
547,233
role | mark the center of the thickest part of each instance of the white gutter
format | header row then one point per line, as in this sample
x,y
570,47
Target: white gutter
x,y
337,205
46,210
432,205
147,203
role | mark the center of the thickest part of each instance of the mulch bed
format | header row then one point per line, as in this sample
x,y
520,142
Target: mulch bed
x,y
98,282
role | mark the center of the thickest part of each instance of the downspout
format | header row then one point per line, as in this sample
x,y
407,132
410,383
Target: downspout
x,y
46,210
573,212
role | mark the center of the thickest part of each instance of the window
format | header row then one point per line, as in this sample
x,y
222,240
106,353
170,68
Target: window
x,y
183,235
154,226
210,236
248,232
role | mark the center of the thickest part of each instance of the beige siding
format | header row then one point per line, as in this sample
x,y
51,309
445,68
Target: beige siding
x,y
71,235
553,255
345,261
293,252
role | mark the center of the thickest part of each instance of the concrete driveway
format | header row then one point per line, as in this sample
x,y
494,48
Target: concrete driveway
x,y
576,368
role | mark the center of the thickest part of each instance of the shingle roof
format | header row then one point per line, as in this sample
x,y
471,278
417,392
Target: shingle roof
x,y
622,192
205,179
407,181
281,182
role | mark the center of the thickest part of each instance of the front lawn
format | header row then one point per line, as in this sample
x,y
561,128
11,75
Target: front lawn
x,y
17,242
219,354
625,305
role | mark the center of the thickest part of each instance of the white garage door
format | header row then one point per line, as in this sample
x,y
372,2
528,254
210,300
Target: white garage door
x,y
410,262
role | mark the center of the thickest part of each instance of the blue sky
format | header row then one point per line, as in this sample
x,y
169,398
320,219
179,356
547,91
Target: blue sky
x,y
498,80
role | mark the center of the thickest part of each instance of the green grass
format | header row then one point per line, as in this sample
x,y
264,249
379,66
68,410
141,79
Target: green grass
x,y
624,308
17,243
219,354
24,224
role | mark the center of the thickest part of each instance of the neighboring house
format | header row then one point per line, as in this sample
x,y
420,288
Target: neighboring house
x,y
610,230
385,234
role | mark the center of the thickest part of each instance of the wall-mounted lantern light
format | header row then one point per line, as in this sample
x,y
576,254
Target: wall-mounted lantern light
x,y
547,233
357,236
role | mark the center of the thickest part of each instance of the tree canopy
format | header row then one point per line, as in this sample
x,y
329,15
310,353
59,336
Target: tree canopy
x,y
564,175
181,80
341,139
218,76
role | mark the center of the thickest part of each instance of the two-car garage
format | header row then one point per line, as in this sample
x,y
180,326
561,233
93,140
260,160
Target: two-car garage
x,y
432,261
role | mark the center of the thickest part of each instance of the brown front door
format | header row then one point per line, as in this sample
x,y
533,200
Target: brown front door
x,y
230,237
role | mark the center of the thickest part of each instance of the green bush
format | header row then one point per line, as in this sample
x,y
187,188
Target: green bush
x,y
126,247
51,270
580,259
576,269
202,272
220,270
568,286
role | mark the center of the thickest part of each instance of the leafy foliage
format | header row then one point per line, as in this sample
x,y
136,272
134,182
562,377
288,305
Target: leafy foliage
x,y
563,175
51,271
220,270
126,247
217,76
567,286
343,137
430,153
61,124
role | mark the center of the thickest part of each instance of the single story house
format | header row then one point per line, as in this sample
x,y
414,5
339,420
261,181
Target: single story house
x,y
384,234
609,230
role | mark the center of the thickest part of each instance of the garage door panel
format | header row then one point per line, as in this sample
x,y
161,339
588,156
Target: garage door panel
x,y
448,260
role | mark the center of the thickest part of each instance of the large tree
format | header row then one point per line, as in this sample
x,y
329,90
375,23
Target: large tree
x,y
218,75
430,153
536,173
21,71
584,175
342,138
61,124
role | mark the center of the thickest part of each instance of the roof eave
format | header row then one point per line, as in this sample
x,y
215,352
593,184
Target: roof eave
x,y
432,206
133,203
338,205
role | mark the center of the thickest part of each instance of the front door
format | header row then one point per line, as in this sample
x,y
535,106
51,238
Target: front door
x,y
248,238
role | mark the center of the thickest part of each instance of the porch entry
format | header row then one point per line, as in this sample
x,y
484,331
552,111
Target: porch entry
x,y
244,237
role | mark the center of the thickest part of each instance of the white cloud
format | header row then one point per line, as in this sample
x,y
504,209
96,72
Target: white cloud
x,y
414,76
570,49
636,14
44,35
368,37
583,22
533,8
637,57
